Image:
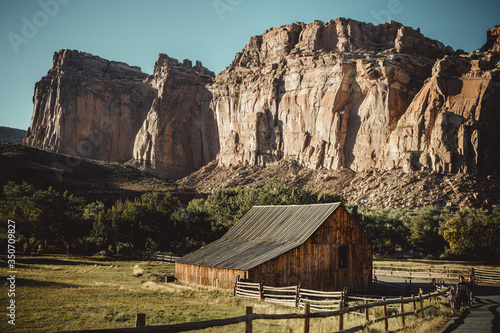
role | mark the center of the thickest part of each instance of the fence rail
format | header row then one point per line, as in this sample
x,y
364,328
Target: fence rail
x,y
290,296
433,272
438,273
486,275
307,315
158,257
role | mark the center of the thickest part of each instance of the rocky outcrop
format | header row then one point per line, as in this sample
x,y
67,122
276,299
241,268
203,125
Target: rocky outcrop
x,y
452,124
492,40
334,96
326,95
179,134
89,107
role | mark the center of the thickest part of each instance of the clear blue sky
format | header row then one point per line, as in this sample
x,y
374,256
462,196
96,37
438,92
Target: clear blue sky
x,y
212,31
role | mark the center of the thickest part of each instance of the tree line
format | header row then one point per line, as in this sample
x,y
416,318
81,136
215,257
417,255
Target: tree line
x,y
49,221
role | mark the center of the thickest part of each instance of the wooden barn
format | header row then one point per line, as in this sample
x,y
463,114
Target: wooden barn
x,y
319,246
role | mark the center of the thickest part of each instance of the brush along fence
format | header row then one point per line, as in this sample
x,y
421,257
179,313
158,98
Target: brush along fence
x,y
417,310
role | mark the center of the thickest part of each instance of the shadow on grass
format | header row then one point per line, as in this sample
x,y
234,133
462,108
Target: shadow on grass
x,y
22,282
63,262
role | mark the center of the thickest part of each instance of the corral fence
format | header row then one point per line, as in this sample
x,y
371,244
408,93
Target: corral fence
x,y
486,275
417,310
158,257
438,272
432,272
291,296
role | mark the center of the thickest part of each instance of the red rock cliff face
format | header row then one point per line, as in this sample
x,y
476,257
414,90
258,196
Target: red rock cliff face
x,y
452,124
90,107
344,94
179,134
326,95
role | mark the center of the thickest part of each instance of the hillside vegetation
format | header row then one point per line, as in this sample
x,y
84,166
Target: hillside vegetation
x,y
50,221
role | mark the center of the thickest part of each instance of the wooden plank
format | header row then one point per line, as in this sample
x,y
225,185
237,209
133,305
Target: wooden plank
x,y
307,310
248,321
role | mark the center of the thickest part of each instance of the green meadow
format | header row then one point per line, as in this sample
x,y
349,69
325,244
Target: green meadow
x,y
58,293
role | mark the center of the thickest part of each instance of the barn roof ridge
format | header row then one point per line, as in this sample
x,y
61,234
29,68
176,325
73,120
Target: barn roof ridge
x,y
262,234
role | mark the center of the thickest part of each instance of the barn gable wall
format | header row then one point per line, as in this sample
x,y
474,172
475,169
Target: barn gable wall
x,y
208,276
315,264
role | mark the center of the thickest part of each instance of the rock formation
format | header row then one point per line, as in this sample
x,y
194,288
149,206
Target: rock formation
x,y
334,96
327,95
89,107
179,134
452,124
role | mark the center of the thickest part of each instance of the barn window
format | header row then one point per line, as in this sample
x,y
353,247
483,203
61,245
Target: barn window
x,y
343,256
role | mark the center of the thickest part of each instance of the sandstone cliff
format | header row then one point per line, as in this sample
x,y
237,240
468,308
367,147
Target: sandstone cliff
x,y
327,95
340,95
452,124
179,134
89,107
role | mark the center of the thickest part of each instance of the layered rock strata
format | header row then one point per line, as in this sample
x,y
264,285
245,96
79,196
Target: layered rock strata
x,y
327,95
452,124
179,134
340,95
89,107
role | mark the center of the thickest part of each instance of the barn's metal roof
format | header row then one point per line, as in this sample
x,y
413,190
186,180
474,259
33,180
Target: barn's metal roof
x,y
262,234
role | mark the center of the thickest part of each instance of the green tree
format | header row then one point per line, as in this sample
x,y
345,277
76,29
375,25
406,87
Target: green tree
x,y
426,229
473,233
44,217
146,222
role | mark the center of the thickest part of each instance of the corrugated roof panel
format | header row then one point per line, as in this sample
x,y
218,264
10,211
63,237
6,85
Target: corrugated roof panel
x,y
262,234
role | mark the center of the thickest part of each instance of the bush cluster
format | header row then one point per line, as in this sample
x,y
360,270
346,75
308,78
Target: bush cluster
x,y
48,221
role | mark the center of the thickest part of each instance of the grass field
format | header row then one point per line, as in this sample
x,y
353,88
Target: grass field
x,y
69,293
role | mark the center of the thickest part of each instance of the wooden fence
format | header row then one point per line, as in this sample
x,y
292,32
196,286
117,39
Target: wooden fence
x,y
486,275
306,316
290,296
436,272
158,257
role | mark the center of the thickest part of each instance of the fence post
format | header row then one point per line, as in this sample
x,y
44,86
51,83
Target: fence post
x,y
248,322
140,320
341,316
421,303
346,298
386,321
367,312
414,305
307,310
261,292
297,295
235,287
402,309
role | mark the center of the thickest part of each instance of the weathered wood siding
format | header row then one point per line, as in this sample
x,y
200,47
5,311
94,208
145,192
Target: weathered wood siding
x,y
315,264
208,276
